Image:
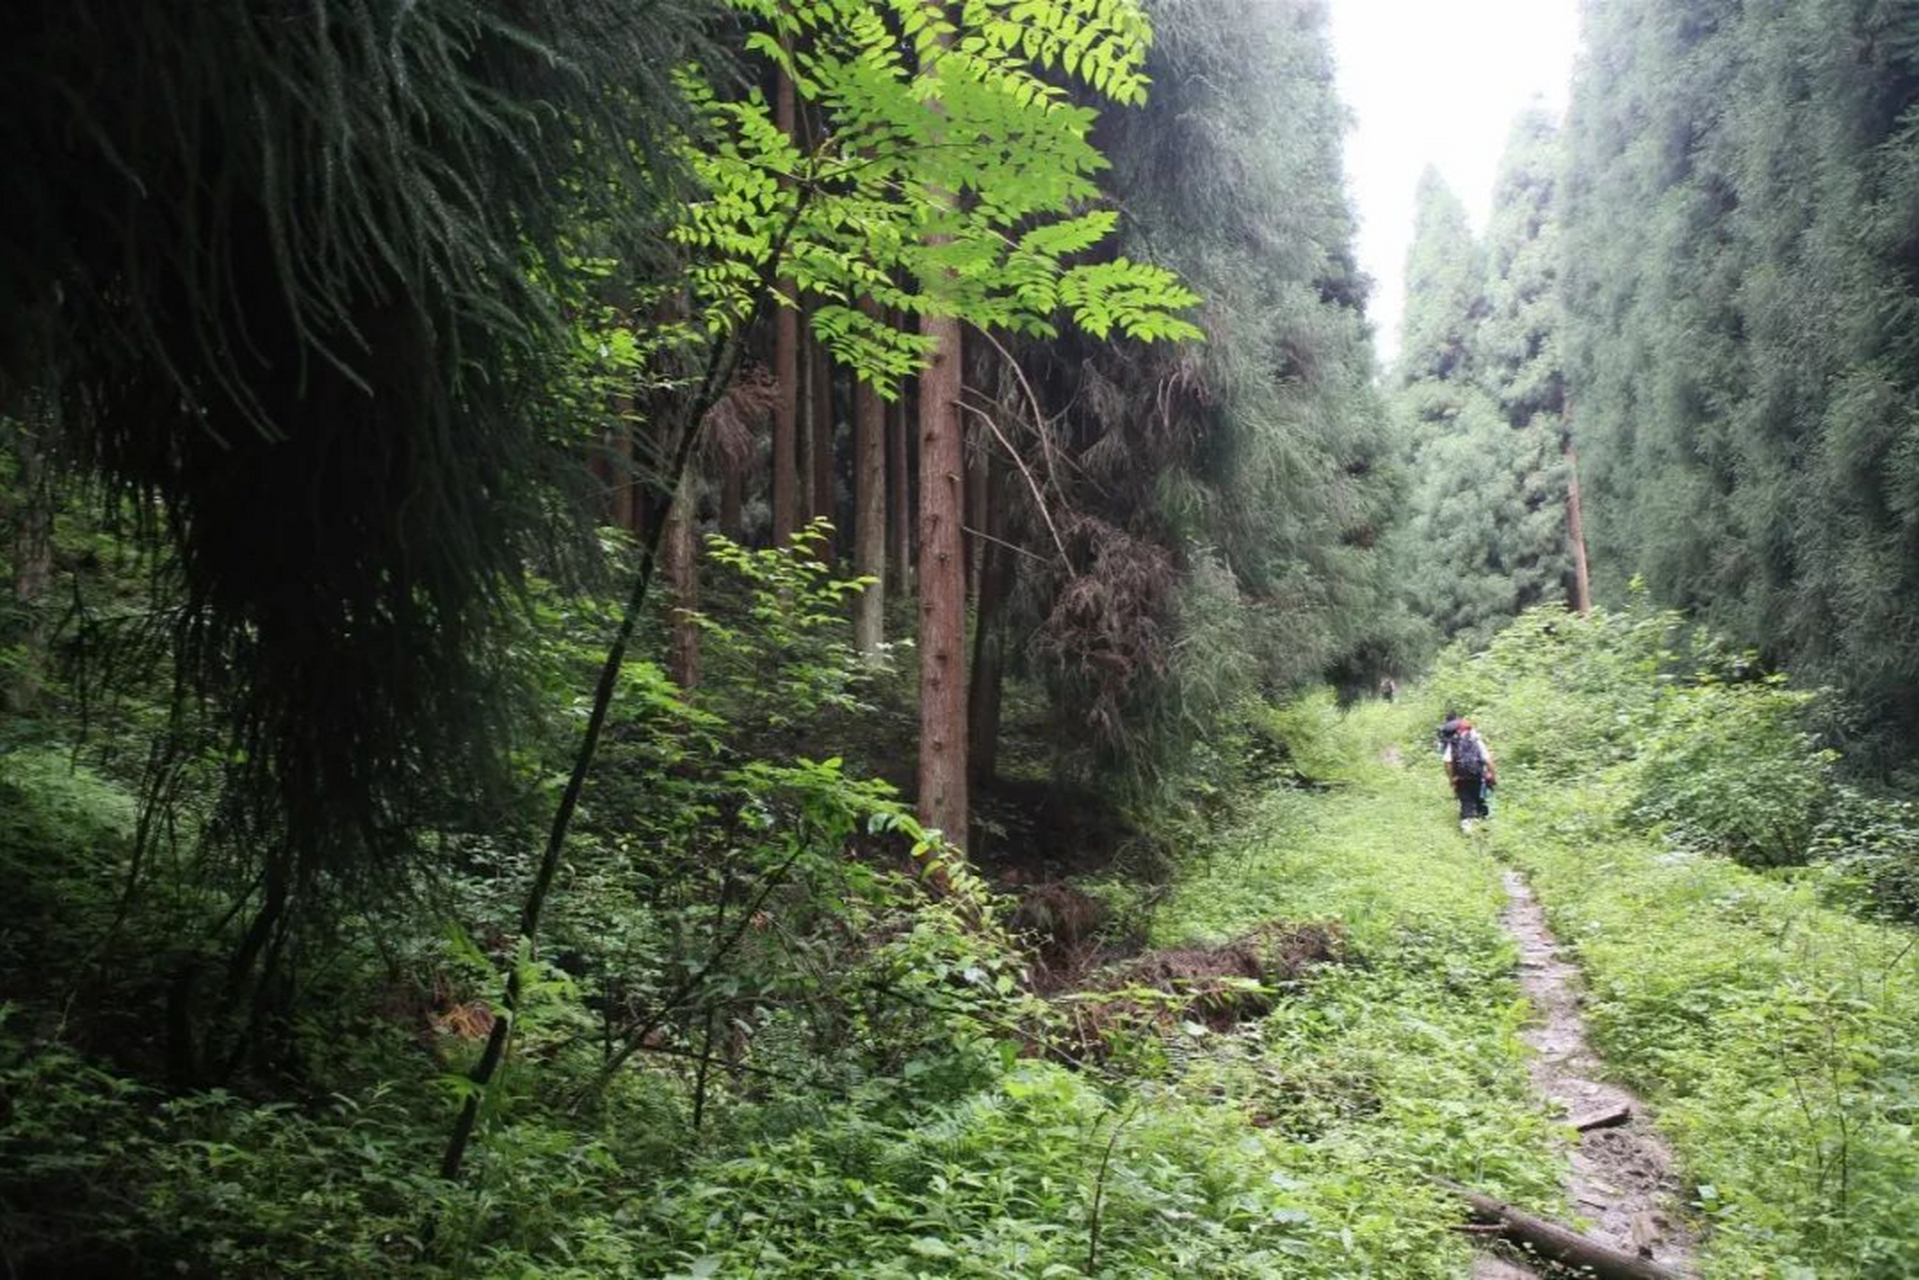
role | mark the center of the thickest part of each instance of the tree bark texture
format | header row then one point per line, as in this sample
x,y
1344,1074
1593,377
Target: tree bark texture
x,y
1560,1244
942,586
786,372
869,513
942,561
683,582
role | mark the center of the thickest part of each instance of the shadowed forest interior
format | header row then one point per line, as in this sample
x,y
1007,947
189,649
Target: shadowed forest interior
x,y
788,638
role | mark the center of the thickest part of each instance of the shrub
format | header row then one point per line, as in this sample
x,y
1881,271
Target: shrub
x,y
1730,770
1703,744
1871,843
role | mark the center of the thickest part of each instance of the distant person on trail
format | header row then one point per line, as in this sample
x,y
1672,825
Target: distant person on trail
x,y
1470,768
1388,688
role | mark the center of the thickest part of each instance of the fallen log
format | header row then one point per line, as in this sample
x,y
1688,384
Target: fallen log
x,y
1560,1244
1605,1118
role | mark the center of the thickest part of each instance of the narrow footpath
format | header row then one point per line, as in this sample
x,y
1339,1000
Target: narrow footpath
x,y
1620,1177
1441,1050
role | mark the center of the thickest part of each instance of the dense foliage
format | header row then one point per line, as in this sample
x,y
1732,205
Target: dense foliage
x,y
1770,1030
1741,217
339,331
1222,506
1481,401
400,881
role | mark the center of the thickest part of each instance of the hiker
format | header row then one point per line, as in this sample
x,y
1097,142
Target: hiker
x,y
1470,768
1388,688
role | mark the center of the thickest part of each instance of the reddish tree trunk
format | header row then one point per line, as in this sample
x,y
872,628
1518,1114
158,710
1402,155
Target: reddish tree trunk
x,y
869,513
942,586
786,372
942,560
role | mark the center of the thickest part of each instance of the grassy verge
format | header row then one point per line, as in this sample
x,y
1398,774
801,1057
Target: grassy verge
x,y
1659,796
1403,1061
1778,1039
1298,1146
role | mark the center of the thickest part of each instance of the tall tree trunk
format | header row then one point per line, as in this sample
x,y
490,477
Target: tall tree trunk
x,y
997,570
619,450
821,483
942,585
683,583
32,560
1576,533
786,372
942,577
869,512
899,435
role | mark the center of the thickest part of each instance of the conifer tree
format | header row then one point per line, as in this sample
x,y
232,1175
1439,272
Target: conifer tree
x,y
1214,516
304,284
1743,314
1482,396
1463,506
1516,358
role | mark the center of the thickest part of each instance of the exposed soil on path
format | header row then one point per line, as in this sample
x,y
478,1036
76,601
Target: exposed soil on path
x,y
1621,1179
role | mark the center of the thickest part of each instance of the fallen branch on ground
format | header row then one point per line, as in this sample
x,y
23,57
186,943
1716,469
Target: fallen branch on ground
x,y
1560,1244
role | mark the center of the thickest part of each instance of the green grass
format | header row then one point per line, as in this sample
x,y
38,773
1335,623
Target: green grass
x,y
1777,1039
1775,1035
1297,1147
1403,1061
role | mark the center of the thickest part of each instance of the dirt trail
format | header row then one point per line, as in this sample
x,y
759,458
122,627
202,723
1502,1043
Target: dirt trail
x,y
1621,1180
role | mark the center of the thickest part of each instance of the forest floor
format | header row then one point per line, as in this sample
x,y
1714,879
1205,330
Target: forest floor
x,y
1620,1173
1380,854
1497,990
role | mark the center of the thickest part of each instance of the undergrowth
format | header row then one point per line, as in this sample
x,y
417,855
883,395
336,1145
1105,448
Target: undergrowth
x,y
1653,791
881,1100
1401,1061
754,1045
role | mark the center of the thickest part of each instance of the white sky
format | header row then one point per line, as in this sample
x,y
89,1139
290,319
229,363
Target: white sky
x,y
1437,82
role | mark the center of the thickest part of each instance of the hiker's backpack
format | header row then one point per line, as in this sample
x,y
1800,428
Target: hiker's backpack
x,y
1469,755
